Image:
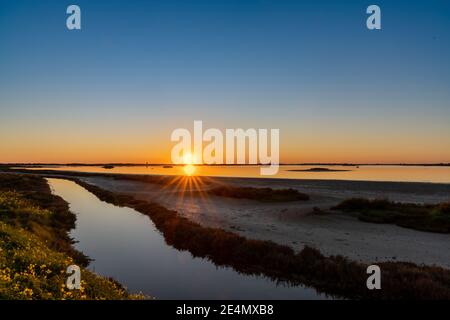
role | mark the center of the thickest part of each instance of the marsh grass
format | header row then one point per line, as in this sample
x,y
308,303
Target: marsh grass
x,y
30,270
432,218
33,207
30,265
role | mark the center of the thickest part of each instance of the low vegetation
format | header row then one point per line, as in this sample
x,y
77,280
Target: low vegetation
x,y
52,227
35,249
432,218
30,270
333,275
259,194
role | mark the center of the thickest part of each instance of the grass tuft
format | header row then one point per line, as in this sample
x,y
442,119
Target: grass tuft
x,y
432,218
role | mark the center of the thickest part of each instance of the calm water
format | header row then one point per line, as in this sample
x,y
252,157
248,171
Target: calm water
x,y
370,173
126,246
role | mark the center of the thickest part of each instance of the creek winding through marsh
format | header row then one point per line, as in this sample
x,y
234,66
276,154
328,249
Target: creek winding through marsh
x,y
125,244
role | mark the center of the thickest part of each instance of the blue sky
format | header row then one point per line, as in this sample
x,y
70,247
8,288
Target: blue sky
x,y
310,68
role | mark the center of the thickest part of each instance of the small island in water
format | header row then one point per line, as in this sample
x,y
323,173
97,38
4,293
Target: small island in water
x,y
318,170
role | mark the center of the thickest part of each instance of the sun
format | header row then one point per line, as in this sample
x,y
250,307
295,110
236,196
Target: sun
x,y
188,160
189,169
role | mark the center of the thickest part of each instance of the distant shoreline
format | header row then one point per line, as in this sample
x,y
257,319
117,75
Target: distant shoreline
x,y
160,178
220,165
318,170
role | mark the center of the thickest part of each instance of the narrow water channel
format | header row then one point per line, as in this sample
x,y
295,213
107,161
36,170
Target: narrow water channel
x,y
126,245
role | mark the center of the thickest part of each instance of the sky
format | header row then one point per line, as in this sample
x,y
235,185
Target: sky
x,y
116,89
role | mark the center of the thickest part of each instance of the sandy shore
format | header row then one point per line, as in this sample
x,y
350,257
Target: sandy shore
x,y
294,224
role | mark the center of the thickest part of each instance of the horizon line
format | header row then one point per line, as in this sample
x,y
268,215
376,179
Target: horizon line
x,y
224,164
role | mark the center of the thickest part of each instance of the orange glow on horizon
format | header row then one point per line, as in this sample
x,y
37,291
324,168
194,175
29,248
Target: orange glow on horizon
x,y
189,169
188,160
39,148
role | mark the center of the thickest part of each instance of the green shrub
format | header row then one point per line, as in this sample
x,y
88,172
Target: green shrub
x,y
30,270
260,194
433,218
